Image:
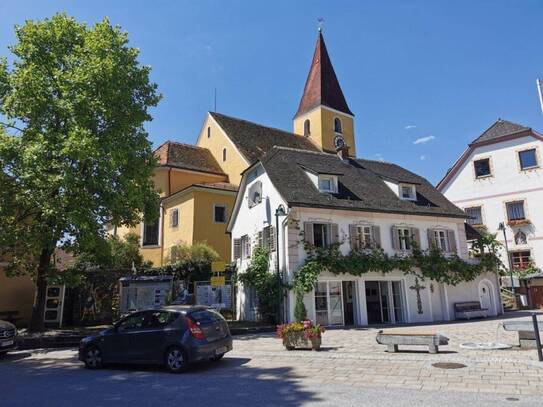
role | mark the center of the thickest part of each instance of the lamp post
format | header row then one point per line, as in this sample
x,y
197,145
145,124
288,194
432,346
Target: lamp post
x,y
280,211
501,227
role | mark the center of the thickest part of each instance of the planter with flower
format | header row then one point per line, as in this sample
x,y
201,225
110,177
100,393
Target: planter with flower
x,y
518,222
300,335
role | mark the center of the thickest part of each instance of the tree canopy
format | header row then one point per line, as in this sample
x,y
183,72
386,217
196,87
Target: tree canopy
x,y
74,153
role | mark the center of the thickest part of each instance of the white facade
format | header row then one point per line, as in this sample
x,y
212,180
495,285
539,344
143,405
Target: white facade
x,y
508,182
351,300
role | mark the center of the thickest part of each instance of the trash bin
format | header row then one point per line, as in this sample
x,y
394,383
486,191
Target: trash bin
x,y
523,300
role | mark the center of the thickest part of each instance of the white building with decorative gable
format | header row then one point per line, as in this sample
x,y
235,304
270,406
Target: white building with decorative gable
x,y
499,179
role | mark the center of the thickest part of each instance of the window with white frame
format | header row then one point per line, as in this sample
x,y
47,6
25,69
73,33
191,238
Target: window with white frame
x,y
528,159
219,213
327,183
364,237
408,192
255,194
307,128
441,239
321,234
521,260
245,247
515,210
475,215
174,218
404,236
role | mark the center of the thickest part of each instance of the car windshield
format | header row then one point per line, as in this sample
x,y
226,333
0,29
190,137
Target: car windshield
x,y
205,316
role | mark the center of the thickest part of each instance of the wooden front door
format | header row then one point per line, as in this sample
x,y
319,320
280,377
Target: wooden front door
x,y
536,296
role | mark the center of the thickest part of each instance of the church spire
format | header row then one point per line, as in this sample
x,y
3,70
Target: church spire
x,y
322,87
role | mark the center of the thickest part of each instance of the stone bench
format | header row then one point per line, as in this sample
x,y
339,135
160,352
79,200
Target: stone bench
x,y
394,339
525,329
469,309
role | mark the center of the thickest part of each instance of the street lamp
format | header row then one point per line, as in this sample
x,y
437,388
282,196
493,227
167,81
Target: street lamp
x,y
280,211
501,227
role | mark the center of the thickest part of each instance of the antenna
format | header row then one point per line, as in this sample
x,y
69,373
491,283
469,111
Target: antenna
x,y
539,84
320,24
215,101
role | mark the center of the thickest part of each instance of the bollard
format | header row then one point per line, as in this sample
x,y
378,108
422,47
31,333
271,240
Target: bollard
x,y
537,337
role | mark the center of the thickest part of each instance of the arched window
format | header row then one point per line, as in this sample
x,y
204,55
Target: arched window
x,y
307,128
208,132
224,154
337,125
520,238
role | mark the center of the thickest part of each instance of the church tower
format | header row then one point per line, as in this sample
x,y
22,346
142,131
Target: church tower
x,y
323,114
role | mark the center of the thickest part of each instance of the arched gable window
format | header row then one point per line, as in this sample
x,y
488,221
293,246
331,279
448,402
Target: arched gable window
x,y
337,125
224,154
208,132
307,128
520,238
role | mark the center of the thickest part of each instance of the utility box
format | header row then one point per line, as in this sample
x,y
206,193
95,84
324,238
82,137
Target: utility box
x,y
144,292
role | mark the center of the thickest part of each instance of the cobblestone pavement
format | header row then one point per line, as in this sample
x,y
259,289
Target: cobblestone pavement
x,y
351,356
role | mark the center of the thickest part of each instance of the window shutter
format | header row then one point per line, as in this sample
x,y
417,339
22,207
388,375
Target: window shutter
x,y
248,247
334,234
260,239
237,249
395,238
452,241
308,232
415,235
376,235
273,239
431,239
171,218
353,237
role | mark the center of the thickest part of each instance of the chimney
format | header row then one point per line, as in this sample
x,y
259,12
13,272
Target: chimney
x,y
343,153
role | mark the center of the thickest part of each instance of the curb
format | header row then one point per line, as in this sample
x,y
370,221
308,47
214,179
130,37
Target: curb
x,y
70,341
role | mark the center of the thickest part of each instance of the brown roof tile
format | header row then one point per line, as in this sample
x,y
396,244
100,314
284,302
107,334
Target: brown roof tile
x,y
322,86
186,156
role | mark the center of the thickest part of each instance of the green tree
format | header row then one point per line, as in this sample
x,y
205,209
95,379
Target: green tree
x,y
74,154
192,262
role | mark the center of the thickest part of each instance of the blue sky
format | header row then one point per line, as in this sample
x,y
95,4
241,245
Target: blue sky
x,y
434,71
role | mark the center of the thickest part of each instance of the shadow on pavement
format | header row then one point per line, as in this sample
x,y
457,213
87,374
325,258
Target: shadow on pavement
x,y
58,379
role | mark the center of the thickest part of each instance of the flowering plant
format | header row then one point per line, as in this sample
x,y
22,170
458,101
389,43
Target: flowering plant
x,y
306,327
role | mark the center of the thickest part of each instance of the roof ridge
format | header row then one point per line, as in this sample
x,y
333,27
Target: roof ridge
x,y
187,145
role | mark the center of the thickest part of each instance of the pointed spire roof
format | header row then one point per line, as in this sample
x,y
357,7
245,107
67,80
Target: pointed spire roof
x,y
322,86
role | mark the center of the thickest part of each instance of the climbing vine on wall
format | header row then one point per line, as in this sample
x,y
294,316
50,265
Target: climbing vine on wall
x,y
430,264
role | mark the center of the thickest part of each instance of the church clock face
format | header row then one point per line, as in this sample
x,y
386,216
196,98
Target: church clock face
x,y
339,142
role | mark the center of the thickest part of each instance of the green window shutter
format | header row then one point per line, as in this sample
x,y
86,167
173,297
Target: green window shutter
x,y
308,232
376,235
334,234
353,232
395,238
452,241
415,235
237,249
273,239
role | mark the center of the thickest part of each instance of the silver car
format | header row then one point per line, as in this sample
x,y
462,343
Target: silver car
x,y
8,337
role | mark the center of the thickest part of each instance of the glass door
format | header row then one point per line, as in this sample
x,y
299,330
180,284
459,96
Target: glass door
x,y
328,303
397,301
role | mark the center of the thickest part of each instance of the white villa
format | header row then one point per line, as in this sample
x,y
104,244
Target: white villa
x,y
499,179
331,196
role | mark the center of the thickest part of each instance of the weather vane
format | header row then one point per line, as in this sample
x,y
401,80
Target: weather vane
x,y
320,24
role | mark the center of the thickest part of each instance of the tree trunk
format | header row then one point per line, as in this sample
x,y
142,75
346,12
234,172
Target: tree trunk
x,y
36,324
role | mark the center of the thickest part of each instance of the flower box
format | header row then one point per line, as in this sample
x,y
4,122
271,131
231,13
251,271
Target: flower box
x,y
300,335
519,222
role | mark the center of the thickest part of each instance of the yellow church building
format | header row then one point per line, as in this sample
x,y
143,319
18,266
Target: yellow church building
x,y
198,183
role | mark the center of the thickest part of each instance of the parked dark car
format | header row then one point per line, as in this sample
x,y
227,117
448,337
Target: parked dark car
x,y
174,336
8,337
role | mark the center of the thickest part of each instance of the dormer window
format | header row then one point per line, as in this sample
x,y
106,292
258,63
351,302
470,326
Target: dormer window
x,y
408,192
327,183
307,128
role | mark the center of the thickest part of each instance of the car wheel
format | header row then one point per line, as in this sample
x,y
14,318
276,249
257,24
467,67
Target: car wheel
x,y
216,358
176,360
93,358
